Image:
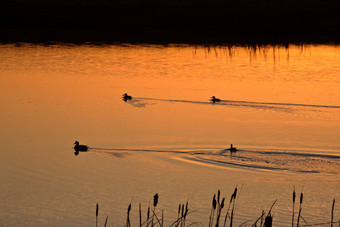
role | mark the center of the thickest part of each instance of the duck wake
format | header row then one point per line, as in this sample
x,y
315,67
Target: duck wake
x,y
300,161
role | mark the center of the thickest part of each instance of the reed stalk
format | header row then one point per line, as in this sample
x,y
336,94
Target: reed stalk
x,y
107,217
155,202
178,212
212,212
147,217
230,202
140,215
128,216
221,206
332,215
97,210
254,225
294,196
233,196
300,208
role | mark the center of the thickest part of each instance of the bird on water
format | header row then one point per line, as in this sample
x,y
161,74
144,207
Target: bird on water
x,y
126,97
214,99
78,147
232,149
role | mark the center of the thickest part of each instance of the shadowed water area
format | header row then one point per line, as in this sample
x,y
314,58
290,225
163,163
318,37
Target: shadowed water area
x,y
279,106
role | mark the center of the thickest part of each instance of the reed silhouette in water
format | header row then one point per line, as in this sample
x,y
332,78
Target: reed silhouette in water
x,y
78,148
214,99
126,97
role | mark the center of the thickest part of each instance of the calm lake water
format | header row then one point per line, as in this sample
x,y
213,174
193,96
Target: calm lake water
x,y
280,107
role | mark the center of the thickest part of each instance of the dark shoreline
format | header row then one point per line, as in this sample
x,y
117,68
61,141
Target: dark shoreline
x,y
214,22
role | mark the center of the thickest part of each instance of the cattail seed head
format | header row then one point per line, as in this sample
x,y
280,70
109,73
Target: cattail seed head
x,y
214,202
186,210
155,200
129,208
97,210
235,193
301,198
222,203
294,195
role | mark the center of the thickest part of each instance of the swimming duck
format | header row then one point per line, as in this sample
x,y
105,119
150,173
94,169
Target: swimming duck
x,y
232,149
213,99
126,97
78,147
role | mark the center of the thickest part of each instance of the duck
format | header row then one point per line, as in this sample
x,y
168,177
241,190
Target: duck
x,y
214,99
126,97
232,149
78,147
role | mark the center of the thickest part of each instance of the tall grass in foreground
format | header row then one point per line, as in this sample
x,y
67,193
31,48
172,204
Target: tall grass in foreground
x,y
156,218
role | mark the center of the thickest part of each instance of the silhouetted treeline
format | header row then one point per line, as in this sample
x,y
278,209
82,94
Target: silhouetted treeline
x,y
174,21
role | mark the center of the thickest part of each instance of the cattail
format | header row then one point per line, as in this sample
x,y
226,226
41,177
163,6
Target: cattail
x,y
232,210
268,221
222,203
214,202
212,212
186,210
235,193
218,196
155,200
97,210
301,198
294,196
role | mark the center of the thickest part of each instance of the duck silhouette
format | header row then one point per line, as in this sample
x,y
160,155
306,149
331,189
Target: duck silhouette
x,y
126,97
232,149
78,147
214,99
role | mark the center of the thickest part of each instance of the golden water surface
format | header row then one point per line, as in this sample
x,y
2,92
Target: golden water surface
x,y
279,106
